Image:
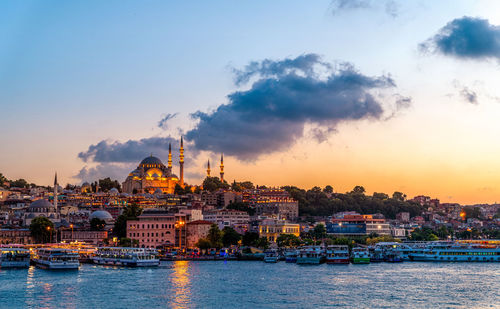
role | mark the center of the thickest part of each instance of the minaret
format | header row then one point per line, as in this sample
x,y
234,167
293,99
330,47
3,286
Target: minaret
x,y
55,191
221,168
208,168
169,158
181,163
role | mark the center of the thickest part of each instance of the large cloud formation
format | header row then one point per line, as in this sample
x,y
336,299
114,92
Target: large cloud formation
x,y
466,38
287,95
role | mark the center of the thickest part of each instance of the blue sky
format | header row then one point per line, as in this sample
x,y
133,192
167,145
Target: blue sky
x,y
73,74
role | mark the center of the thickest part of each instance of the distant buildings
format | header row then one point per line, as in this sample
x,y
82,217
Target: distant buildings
x,y
353,224
272,202
273,228
236,219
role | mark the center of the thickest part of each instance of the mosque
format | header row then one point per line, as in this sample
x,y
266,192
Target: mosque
x,y
152,176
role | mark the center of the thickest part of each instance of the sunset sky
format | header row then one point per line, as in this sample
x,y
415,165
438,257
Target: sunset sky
x,y
391,95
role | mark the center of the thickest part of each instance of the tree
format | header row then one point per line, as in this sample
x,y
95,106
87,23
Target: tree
x,y
20,183
130,212
230,236
41,228
107,184
358,190
215,236
178,190
241,206
97,224
399,196
262,243
328,189
287,240
203,244
319,231
250,239
380,196
213,184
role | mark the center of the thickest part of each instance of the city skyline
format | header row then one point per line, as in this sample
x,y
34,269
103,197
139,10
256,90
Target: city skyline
x,y
378,94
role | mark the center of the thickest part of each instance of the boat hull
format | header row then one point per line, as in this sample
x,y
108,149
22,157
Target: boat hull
x,y
361,260
271,259
310,260
15,264
57,266
126,263
337,261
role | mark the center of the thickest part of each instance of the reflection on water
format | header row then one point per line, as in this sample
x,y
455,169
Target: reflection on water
x,y
181,285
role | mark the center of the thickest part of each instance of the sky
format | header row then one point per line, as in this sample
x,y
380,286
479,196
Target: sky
x,y
391,95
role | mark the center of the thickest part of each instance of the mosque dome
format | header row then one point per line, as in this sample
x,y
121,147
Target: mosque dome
x,y
85,184
151,161
101,215
114,191
158,191
41,205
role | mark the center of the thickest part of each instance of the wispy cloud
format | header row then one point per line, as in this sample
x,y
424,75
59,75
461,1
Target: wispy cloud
x,y
390,7
164,122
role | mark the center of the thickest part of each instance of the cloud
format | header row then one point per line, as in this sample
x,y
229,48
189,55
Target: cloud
x,y
112,170
466,38
129,151
467,94
390,7
163,123
287,95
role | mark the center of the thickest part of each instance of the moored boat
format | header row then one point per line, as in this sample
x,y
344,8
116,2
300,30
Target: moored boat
x,y
57,259
124,256
14,258
454,252
311,255
291,256
360,255
337,254
271,256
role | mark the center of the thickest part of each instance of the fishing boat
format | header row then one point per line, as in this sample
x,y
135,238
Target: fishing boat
x,y
360,255
124,256
311,255
271,256
57,259
14,258
337,254
455,252
291,256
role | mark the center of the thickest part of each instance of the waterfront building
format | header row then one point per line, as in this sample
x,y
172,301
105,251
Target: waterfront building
x,y
196,230
355,224
15,236
152,176
236,219
272,201
90,237
273,228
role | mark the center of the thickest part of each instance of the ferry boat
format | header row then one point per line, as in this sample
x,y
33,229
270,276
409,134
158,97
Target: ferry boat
x,y
337,254
454,252
291,256
391,252
123,256
271,256
360,255
311,255
14,258
57,258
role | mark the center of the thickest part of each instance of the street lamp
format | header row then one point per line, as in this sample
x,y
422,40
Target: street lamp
x,y
71,226
50,231
179,225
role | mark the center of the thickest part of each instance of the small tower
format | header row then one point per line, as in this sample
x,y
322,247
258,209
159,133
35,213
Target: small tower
x,y
181,163
208,168
55,191
169,158
221,168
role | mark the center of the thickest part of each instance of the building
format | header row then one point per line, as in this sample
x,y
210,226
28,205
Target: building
x,y
15,236
196,230
90,237
152,176
236,219
272,201
357,225
403,217
41,208
272,229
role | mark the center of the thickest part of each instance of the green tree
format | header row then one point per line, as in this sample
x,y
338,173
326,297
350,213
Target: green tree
x,y
287,240
262,243
328,189
203,244
230,236
358,190
319,232
41,229
241,206
20,183
130,212
380,196
107,184
399,196
97,224
215,236
250,239
213,184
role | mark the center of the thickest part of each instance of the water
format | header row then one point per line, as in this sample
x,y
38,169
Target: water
x,y
233,284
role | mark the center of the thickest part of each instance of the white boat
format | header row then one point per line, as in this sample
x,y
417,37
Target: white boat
x,y
14,258
57,258
291,256
337,254
311,255
123,256
455,252
271,256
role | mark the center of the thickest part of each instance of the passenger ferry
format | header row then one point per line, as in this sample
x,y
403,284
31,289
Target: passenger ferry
x,y
14,258
360,255
291,256
311,255
57,258
391,252
271,256
337,254
123,256
454,252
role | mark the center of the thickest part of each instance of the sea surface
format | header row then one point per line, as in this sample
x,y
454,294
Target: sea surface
x,y
254,284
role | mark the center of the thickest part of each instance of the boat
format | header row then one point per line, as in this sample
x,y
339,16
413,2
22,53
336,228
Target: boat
x,y
14,258
360,255
57,259
291,256
337,254
125,256
456,252
391,252
271,256
311,255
